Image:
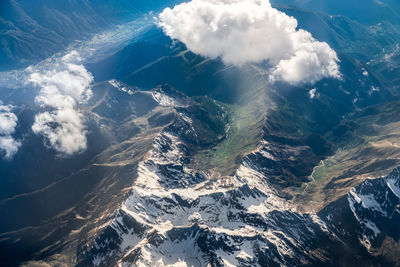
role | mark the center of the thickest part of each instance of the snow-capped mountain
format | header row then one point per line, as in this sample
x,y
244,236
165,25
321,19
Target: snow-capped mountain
x,y
369,215
179,216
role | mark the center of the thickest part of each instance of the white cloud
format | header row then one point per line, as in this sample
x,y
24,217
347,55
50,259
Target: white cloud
x,y
9,146
64,84
243,31
8,122
313,93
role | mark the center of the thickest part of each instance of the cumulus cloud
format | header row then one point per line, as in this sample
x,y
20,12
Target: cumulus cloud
x,y
250,31
8,122
64,84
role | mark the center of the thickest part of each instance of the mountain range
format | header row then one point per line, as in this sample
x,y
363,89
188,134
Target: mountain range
x,y
189,161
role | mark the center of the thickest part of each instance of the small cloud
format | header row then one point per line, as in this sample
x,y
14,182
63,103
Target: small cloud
x,y
9,146
64,84
8,122
373,89
313,93
364,72
63,129
250,31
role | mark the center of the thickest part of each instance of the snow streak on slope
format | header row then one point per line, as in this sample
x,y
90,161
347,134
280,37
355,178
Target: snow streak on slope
x,y
373,203
368,214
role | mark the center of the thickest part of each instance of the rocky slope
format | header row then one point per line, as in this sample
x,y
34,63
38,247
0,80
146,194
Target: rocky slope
x,y
176,215
123,123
